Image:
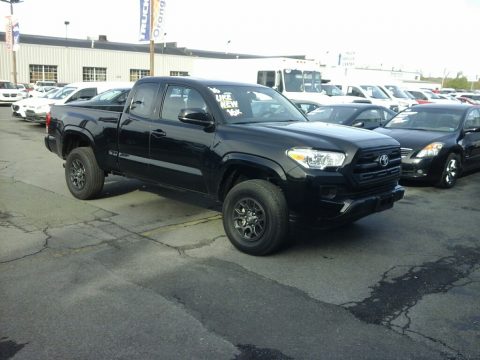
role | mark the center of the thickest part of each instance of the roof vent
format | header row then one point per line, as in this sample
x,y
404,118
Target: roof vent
x,y
102,38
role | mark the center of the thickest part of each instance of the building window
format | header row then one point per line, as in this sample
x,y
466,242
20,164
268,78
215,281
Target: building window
x,y
178,73
43,73
94,74
136,74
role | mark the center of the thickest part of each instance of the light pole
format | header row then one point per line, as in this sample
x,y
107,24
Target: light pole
x,y
227,46
66,28
14,53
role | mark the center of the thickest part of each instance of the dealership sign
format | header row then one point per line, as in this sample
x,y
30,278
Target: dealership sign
x,y
12,33
153,31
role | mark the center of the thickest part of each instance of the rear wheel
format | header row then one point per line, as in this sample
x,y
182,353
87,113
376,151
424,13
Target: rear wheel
x,y
83,175
255,217
451,172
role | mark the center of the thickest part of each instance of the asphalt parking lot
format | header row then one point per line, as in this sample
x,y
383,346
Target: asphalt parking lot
x,y
146,272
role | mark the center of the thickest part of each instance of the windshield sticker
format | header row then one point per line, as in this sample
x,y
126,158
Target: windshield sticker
x,y
402,117
215,90
228,104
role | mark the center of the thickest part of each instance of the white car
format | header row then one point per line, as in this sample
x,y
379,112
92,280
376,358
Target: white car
x,y
19,107
423,96
38,111
41,90
9,92
403,99
371,92
42,83
23,89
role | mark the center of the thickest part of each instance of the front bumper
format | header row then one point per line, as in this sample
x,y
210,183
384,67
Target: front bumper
x,y
32,116
427,169
330,199
337,212
9,99
18,111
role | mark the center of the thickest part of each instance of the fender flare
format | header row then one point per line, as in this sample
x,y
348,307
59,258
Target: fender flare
x,y
84,134
235,160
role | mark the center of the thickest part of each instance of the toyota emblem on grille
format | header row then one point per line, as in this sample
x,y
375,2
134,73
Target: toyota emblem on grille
x,y
383,160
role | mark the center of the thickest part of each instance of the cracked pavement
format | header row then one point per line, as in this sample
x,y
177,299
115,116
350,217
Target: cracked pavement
x,y
147,272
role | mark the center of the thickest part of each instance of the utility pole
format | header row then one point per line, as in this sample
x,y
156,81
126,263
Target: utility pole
x,y
66,22
14,53
152,43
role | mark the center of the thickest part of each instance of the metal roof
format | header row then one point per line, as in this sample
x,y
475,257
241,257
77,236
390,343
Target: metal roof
x,y
169,48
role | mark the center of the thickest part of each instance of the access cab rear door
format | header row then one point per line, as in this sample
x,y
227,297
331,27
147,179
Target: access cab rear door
x,y
154,144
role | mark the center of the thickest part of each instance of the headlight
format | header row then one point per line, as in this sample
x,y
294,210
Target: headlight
x,y
316,159
430,150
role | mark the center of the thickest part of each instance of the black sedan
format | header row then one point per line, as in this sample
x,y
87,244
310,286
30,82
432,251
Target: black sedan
x,y
113,100
438,141
360,115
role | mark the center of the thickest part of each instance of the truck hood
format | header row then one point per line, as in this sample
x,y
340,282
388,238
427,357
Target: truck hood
x,y
323,135
415,139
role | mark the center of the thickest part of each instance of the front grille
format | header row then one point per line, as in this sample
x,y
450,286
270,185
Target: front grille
x,y
377,165
405,152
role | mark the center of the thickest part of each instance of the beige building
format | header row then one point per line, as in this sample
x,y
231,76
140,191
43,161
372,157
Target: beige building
x,y
72,60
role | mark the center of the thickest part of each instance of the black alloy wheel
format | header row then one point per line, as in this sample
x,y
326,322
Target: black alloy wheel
x,y
255,217
84,177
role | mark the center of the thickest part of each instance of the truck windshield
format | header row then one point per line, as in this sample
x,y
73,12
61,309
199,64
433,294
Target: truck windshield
x,y
302,81
252,104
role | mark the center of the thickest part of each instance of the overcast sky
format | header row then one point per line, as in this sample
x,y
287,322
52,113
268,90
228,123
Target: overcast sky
x,y
434,36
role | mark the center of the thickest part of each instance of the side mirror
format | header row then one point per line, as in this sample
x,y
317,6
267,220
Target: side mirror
x,y
358,124
196,117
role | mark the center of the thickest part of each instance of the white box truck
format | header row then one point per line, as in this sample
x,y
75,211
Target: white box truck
x,y
297,79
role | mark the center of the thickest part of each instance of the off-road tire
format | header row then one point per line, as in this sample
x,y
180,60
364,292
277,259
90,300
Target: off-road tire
x,y
255,217
83,175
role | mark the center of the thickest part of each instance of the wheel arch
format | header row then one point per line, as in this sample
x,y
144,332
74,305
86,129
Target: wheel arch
x,y
74,138
238,167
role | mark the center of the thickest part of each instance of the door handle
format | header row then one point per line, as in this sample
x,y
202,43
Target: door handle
x,y
159,133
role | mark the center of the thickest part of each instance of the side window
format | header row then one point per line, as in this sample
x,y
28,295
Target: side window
x,y
473,120
178,98
143,100
370,118
307,107
353,91
84,94
418,95
266,78
386,115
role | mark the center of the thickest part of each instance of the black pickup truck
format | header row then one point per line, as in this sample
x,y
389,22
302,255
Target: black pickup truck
x,y
246,145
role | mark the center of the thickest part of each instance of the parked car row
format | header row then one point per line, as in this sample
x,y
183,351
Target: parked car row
x,y
35,109
438,141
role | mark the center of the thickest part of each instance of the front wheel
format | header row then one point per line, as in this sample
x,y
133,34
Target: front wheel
x,y
255,217
83,175
451,172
